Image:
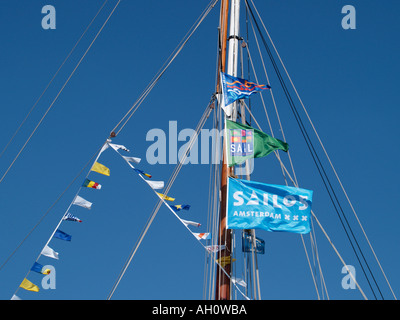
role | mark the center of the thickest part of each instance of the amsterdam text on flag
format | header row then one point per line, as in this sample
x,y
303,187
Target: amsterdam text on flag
x,y
255,205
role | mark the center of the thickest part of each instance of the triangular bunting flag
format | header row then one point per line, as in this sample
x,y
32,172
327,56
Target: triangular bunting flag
x,y
215,248
202,236
79,201
62,235
240,282
27,285
37,267
163,196
192,223
132,159
180,207
116,147
143,173
99,168
223,261
49,252
91,184
70,217
155,184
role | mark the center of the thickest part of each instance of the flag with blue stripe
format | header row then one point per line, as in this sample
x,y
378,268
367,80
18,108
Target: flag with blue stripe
x,y
234,88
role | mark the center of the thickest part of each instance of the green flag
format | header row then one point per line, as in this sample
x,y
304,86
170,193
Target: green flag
x,y
245,142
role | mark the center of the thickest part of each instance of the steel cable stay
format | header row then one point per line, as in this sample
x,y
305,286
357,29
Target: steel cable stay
x,y
156,78
318,163
59,92
250,63
326,154
52,79
313,214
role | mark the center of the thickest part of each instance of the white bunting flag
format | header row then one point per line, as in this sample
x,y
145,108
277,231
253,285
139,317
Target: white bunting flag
x,y
49,252
215,248
186,222
79,201
239,281
202,236
132,159
155,184
118,146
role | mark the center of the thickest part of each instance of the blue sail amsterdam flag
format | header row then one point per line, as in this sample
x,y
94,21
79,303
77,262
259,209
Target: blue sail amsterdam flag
x,y
255,205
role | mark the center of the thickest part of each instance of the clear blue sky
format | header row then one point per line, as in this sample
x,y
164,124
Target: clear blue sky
x,y
347,79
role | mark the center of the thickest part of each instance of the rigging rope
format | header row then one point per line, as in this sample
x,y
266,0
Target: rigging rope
x,y
159,203
61,195
163,69
52,79
48,210
319,165
326,154
207,10
319,224
58,94
282,131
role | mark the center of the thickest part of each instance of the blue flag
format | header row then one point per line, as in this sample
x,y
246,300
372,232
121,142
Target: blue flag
x,y
255,205
62,235
37,267
180,207
236,88
247,244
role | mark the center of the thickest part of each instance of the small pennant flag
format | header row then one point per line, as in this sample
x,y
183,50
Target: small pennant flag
x,y
37,267
27,285
180,207
202,236
240,282
70,217
155,184
62,235
223,261
143,173
99,168
132,159
49,252
215,248
116,147
163,196
192,223
79,201
91,184
46,271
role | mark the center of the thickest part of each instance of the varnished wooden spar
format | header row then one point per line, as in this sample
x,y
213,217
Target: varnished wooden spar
x,y
223,290
224,238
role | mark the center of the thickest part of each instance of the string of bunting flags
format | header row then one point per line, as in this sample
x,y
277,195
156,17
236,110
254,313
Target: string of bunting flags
x,y
47,251
78,200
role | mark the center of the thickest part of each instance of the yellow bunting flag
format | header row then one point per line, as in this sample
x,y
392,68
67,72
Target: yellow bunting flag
x,y
163,196
98,167
27,285
46,271
223,261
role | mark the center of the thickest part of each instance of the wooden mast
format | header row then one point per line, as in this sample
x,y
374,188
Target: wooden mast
x,y
223,291
222,281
